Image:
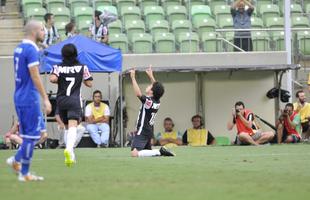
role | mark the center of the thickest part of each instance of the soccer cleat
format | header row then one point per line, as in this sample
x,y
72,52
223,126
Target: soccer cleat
x,y
69,160
29,177
16,166
165,152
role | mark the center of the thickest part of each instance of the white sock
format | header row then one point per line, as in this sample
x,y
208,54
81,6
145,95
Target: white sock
x,y
71,137
149,153
65,132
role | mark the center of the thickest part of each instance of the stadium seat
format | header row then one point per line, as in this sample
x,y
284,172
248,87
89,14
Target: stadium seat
x,y
124,3
274,22
111,9
61,14
259,3
214,3
119,41
278,38
188,42
50,4
296,10
153,13
204,26
77,3
200,12
27,4
167,3
35,13
164,43
159,26
98,3
300,22
226,22
135,26
260,40
83,26
308,8
129,13
269,10
221,11
190,3
142,43
176,12
222,141
144,3
83,14
61,29
180,26
209,42
257,22
304,42
115,27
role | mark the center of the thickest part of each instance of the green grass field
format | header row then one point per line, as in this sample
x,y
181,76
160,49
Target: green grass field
x,y
267,172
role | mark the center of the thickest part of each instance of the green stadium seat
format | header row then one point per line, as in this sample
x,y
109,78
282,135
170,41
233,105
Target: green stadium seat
x,y
153,13
226,22
119,41
83,26
98,3
261,41
200,12
257,22
124,3
61,29
115,27
278,38
304,42
222,141
27,4
176,12
221,11
129,13
188,42
269,10
308,8
214,3
145,3
204,26
180,26
77,3
50,4
159,26
135,26
274,22
209,42
35,13
164,43
300,22
111,9
167,3
142,43
83,14
296,10
192,3
61,14
259,3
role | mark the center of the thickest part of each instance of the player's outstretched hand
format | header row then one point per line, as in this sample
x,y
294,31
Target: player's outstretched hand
x,y
149,71
47,106
132,73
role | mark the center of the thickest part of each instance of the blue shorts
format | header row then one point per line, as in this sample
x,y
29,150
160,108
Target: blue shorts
x,y
31,121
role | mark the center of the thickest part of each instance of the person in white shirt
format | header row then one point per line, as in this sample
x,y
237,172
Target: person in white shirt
x,y
51,33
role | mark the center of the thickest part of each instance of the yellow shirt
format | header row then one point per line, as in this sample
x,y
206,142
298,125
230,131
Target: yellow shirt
x,y
197,137
304,111
98,111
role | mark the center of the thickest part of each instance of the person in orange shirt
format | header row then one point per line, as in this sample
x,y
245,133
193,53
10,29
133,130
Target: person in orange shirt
x,y
247,130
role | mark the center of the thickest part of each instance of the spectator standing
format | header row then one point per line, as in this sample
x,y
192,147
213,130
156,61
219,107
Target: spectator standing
x,y
51,33
169,137
242,20
70,30
97,30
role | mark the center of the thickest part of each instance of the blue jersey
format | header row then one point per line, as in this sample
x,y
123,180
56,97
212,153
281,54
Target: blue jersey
x,y
26,55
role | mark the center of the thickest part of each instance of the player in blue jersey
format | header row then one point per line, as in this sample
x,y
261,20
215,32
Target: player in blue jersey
x,y
28,89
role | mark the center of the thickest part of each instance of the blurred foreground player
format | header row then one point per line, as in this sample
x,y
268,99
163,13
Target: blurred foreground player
x,y
28,88
141,145
69,76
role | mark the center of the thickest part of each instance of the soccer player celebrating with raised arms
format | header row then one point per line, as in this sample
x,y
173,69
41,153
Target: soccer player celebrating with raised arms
x,y
69,76
28,88
141,145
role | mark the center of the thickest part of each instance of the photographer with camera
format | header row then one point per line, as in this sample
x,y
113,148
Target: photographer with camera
x,y
289,125
247,131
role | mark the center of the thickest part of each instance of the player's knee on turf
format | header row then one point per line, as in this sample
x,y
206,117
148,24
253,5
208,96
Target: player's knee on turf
x,y
289,139
135,153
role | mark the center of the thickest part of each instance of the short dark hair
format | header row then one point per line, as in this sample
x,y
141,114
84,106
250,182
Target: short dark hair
x,y
289,105
97,92
196,116
239,103
158,90
97,13
47,16
69,27
298,92
69,53
169,120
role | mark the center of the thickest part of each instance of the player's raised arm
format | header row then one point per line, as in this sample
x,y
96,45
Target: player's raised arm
x,y
150,74
134,83
35,76
88,79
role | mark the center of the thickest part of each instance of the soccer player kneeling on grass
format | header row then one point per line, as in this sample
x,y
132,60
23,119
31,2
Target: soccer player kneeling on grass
x,y
141,145
69,76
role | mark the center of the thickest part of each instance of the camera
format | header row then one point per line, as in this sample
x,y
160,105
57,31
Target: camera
x,y
237,110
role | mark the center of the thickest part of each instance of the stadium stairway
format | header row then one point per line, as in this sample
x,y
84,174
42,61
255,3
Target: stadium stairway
x,y
11,28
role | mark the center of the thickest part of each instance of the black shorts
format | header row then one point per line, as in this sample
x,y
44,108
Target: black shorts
x,y
141,142
72,114
69,109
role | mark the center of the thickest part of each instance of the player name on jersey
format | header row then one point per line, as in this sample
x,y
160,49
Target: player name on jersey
x,y
69,69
